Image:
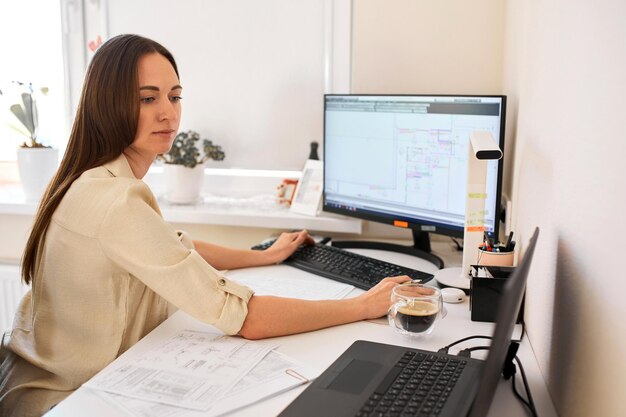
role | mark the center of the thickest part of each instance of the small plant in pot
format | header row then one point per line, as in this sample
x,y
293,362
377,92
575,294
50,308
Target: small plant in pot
x,y
36,161
26,113
184,166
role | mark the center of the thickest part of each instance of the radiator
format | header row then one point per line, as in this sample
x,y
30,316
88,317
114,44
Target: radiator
x,y
11,291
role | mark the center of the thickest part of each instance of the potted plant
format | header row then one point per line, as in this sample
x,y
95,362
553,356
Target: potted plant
x,y
184,166
36,162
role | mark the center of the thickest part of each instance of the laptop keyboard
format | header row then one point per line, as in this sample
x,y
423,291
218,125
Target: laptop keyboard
x,y
344,266
418,385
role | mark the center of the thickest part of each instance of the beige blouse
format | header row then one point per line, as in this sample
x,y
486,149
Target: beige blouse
x,y
108,268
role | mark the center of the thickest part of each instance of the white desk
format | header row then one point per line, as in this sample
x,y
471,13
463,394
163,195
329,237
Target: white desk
x,y
320,348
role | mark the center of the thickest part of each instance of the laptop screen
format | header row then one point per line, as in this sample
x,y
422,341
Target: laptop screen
x,y
509,306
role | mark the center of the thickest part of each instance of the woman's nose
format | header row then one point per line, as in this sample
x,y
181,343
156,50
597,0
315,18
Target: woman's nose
x,y
167,111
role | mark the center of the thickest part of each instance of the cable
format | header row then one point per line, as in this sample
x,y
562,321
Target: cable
x,y
459,247
511,371
517,394
467,352
530,403
446,348
509,368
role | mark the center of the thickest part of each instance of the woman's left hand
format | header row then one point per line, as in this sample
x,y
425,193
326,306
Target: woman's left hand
x,y
286,244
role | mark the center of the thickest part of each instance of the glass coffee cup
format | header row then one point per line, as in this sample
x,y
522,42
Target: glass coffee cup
x,y
415,308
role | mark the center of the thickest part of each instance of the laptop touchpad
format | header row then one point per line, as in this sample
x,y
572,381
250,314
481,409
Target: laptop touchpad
x,y
355,376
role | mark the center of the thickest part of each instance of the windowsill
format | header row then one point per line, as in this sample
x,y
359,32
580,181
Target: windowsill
x,y
249,203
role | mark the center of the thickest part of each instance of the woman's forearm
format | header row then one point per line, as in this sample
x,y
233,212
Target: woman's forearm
x,y
274,316
227,258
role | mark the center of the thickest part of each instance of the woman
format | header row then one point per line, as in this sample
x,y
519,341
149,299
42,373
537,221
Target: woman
x,y
102,262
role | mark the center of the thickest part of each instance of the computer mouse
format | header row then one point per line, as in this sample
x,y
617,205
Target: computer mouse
x,y
452,295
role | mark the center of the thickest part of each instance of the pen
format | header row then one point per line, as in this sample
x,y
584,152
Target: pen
x,y
487,242
507,246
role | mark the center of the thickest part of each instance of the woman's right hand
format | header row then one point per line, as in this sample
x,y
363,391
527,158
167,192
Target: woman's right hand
x,y
377,300
285,246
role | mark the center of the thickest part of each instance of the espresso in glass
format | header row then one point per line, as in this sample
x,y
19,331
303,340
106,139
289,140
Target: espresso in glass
x,y
415,309
417,317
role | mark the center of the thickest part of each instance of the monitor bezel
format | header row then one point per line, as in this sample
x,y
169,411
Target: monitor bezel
x,y
421,225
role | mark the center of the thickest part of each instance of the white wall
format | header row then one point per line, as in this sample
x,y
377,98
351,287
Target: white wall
x,y
424,46
562,65
565,66
252,72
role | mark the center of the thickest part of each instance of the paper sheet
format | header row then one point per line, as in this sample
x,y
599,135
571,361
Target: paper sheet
x,y
274,374
294,284
190,369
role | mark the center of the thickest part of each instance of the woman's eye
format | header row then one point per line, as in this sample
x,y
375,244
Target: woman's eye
x,y
176,98
147,100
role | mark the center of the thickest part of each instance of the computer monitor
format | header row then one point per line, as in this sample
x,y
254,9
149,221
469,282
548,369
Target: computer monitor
x,y
402,160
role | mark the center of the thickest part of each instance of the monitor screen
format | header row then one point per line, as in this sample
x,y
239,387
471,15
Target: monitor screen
x,y
402,159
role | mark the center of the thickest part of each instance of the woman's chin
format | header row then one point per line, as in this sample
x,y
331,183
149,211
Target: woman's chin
x,y
165,147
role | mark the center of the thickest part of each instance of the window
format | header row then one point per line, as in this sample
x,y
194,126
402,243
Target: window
x,y
254,73
31,51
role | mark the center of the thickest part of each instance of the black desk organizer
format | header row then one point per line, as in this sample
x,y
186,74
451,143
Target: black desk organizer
x,y
485,292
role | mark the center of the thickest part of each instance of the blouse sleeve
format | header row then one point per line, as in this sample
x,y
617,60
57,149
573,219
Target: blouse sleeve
x,y
134,236
185,239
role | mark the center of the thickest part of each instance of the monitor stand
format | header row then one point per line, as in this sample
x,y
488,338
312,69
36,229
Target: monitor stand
x,y
420,248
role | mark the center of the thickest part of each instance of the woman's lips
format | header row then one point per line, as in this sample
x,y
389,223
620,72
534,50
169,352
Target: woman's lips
x,y
164,132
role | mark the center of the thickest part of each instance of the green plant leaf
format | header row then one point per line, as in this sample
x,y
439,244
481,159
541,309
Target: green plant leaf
x,y
30,109
185,150
18,111
19,129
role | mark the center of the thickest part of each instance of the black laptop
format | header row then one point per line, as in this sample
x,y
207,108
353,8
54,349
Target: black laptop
x,y
374,379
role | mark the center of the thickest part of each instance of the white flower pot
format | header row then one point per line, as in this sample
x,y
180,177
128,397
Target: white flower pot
x,y
182,184
36,167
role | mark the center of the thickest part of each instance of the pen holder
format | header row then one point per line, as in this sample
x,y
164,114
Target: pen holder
x,y
486,287
495,258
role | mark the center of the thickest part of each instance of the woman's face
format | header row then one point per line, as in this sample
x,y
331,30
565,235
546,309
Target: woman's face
x,y
159,107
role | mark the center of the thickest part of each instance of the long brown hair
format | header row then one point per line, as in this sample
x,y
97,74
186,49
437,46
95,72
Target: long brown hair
x,y
105,124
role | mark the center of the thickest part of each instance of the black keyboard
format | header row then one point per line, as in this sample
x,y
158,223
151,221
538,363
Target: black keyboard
x,y
419,384
343,266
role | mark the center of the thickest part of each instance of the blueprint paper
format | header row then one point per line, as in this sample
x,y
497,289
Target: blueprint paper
x,y
190,369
